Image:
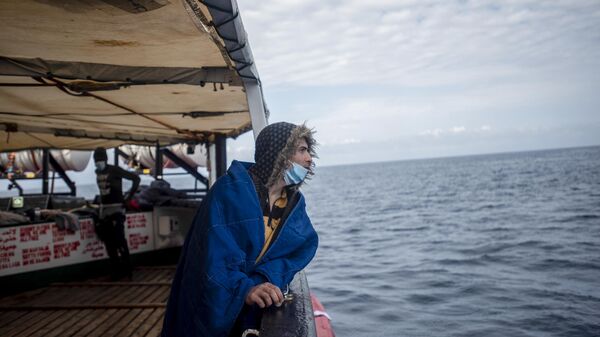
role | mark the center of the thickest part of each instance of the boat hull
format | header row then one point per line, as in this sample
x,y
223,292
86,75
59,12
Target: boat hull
x,y
322,319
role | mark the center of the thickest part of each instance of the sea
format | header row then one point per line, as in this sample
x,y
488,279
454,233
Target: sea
x,y
503,245
488,245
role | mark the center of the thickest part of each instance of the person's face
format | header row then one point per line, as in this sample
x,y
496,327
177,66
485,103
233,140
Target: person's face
x,y
100,165
302,156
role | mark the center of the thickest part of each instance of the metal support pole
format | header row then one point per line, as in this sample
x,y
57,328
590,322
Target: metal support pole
x,y
45,169
119,153
255,105
221,154
116,156
212,163
184,165
14,184
56,167
158,168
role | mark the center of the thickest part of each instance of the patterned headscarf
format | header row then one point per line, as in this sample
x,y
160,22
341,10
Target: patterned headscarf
x,y
269,144
275,145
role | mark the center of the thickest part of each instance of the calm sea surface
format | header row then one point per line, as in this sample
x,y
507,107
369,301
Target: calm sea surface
x,y
494,245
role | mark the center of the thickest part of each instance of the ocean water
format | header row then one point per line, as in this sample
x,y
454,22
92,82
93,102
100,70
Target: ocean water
x,y
492,245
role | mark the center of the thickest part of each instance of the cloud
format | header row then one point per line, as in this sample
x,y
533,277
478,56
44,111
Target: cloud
x,y
455,130
410,74
434,132
458,129
418,43
337,141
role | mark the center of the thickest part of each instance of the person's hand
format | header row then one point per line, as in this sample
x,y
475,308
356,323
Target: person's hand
x,y
264,295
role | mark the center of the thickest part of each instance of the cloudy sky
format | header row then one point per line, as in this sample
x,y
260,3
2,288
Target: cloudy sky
x,y
388,80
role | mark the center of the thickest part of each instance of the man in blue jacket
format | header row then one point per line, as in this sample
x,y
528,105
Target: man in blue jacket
x,y
249,238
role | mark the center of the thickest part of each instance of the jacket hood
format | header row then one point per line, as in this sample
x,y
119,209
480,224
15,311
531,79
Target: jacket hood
x,y
275,146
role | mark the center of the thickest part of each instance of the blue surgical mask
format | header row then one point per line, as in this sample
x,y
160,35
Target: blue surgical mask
x,y
100,165
295,174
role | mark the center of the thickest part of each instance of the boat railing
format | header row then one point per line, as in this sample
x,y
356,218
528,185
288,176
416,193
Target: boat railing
x,y
295,318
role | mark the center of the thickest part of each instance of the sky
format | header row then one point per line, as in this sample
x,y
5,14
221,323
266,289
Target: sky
x,y
391,80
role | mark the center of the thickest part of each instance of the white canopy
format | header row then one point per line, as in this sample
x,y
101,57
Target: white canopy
x,y
80,74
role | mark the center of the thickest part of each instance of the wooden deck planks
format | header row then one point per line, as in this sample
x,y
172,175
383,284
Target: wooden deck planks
x,y
61,329
8,317
43,330
157,328
17,325
135,323
149,323
36,323
119,322
108,324
92,324
92,308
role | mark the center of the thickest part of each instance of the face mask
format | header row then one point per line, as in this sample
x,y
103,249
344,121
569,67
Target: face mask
x,y
100,165
295,174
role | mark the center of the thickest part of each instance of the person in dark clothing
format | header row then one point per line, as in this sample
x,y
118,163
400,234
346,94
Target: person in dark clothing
x,y
250,237
110,228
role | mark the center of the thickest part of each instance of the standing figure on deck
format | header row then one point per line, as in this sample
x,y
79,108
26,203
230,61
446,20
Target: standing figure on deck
x,y
110,228
249,238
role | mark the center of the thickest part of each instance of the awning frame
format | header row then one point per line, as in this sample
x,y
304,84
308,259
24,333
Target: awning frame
x,y
219,19
125,75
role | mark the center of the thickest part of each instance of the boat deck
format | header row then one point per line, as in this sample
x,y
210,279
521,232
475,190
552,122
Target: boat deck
x,y
95,307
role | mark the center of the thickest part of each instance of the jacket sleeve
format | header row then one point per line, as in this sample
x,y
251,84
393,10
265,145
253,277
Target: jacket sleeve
x,y
223,259
210,285
280,269
135,180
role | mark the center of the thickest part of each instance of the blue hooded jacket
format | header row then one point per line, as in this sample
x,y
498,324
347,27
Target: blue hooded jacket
x,y
217,267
